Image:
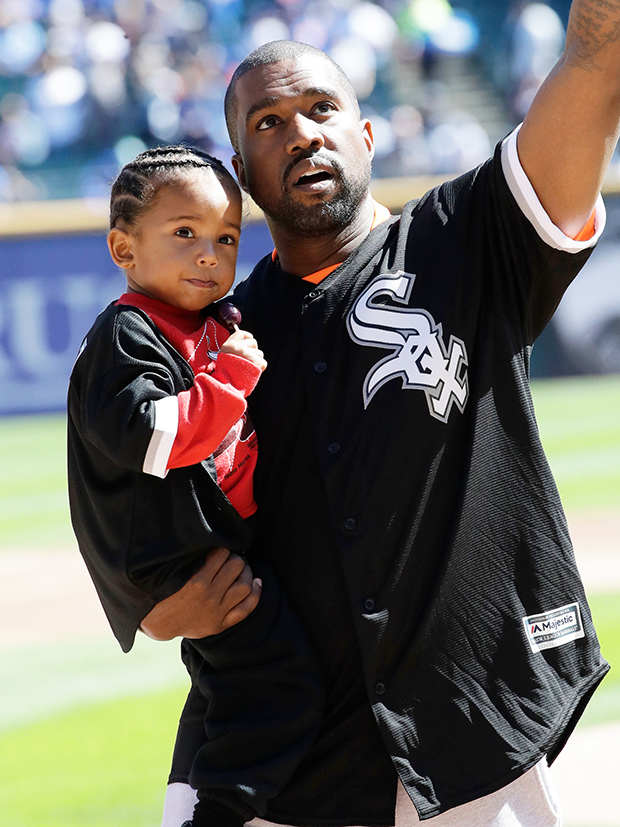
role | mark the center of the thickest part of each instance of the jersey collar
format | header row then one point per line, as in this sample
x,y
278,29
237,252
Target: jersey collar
x,y
381,214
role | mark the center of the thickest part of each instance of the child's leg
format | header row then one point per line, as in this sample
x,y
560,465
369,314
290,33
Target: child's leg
x,y
259,682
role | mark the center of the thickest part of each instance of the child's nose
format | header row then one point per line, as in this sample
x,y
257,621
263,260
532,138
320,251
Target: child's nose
x,y
206,255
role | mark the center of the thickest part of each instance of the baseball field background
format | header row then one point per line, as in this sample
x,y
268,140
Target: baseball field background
x,y
86,733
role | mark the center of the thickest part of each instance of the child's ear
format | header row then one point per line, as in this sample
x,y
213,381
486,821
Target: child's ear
x,y
120,247
237,163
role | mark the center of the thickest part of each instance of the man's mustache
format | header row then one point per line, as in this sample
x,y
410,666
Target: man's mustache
x,y
320,158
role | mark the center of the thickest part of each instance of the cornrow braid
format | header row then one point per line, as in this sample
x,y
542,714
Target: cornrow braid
x,y
140,180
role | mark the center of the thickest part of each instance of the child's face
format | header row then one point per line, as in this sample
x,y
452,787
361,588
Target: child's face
x,y
184,249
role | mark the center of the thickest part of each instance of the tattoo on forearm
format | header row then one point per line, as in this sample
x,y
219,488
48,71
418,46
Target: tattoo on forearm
x,y
594,26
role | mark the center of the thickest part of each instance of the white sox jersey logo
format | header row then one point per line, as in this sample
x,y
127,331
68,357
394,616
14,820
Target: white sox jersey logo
x,y
419,355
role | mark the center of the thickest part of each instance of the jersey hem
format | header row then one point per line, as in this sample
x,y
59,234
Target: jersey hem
x,y
550,749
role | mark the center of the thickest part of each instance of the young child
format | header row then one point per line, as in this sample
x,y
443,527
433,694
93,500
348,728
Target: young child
x,y
160,459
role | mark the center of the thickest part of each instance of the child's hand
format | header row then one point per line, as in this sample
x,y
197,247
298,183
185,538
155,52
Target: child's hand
x,y
241,343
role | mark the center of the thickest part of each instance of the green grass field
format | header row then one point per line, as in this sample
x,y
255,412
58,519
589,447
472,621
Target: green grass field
x,y
34,510
105,764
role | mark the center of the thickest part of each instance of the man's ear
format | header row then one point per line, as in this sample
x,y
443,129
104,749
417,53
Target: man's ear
x,y
369,138
120,247
237,162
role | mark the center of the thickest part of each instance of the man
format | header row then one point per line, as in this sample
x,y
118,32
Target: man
x,y
405,501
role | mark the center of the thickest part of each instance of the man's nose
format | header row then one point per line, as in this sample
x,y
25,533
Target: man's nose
x,y
304,133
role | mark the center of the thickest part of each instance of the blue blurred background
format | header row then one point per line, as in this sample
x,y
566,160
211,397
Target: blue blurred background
x,y
87,84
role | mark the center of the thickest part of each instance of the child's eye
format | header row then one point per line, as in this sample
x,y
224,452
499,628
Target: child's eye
x,y
185,232
227,239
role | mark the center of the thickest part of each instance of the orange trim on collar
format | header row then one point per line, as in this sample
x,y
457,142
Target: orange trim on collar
x,y
316,278
381,214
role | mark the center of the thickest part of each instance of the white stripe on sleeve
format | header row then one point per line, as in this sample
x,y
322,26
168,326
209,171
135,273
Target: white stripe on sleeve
x,y
533,210
164,434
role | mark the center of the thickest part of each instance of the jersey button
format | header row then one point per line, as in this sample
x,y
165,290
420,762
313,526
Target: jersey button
x,y
350,524
333,447
380,688
320,367
369,604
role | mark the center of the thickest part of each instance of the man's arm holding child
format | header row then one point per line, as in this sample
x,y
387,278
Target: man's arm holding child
x,y
221,594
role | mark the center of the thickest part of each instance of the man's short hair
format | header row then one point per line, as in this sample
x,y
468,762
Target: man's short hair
x,y
274,52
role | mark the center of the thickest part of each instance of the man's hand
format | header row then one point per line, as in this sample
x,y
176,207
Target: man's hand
x,y
243,344
220,594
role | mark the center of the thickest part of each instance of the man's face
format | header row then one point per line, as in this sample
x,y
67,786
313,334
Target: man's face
x,y
304,155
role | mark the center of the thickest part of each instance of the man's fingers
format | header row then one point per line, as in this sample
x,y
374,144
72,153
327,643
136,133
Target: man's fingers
x,y
227,575
238,590
220,594
214,560
246,607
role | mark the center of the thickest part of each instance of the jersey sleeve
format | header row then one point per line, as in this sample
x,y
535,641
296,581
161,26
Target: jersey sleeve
x,y
135,417
529,204
538,260
128,409
524,263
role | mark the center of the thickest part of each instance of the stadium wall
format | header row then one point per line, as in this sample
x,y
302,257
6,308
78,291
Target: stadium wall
x,y
56,275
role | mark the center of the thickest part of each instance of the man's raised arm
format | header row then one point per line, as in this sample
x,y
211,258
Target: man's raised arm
x,y
571,129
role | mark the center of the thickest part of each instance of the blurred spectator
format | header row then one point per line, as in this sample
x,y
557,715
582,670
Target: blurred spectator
x,y
536,41
83,83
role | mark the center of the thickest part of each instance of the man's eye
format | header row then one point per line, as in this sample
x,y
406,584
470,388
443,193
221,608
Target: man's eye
x,y
324,108
267,122
185,232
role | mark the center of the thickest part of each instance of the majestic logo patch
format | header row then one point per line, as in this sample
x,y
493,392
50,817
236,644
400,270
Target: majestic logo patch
x,y
554,628
419,355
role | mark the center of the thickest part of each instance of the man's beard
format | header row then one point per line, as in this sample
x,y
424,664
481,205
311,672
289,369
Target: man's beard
x,y
322,217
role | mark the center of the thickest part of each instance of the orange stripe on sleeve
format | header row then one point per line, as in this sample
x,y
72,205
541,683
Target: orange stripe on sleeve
x,y
588,231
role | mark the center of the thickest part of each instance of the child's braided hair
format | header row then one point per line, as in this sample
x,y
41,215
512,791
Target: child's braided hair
x,y
140,180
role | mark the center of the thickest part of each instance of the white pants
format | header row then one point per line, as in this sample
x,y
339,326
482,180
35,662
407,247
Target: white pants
x,y
527,802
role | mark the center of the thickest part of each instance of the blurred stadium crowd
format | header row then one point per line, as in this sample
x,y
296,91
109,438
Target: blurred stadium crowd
x,y
86,84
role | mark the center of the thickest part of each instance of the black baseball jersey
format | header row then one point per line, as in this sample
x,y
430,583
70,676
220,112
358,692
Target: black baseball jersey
x,y
407,505
142,535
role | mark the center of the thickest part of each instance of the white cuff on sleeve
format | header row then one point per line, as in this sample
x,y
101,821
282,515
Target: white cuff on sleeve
x,y
534,211
164,434
178,804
